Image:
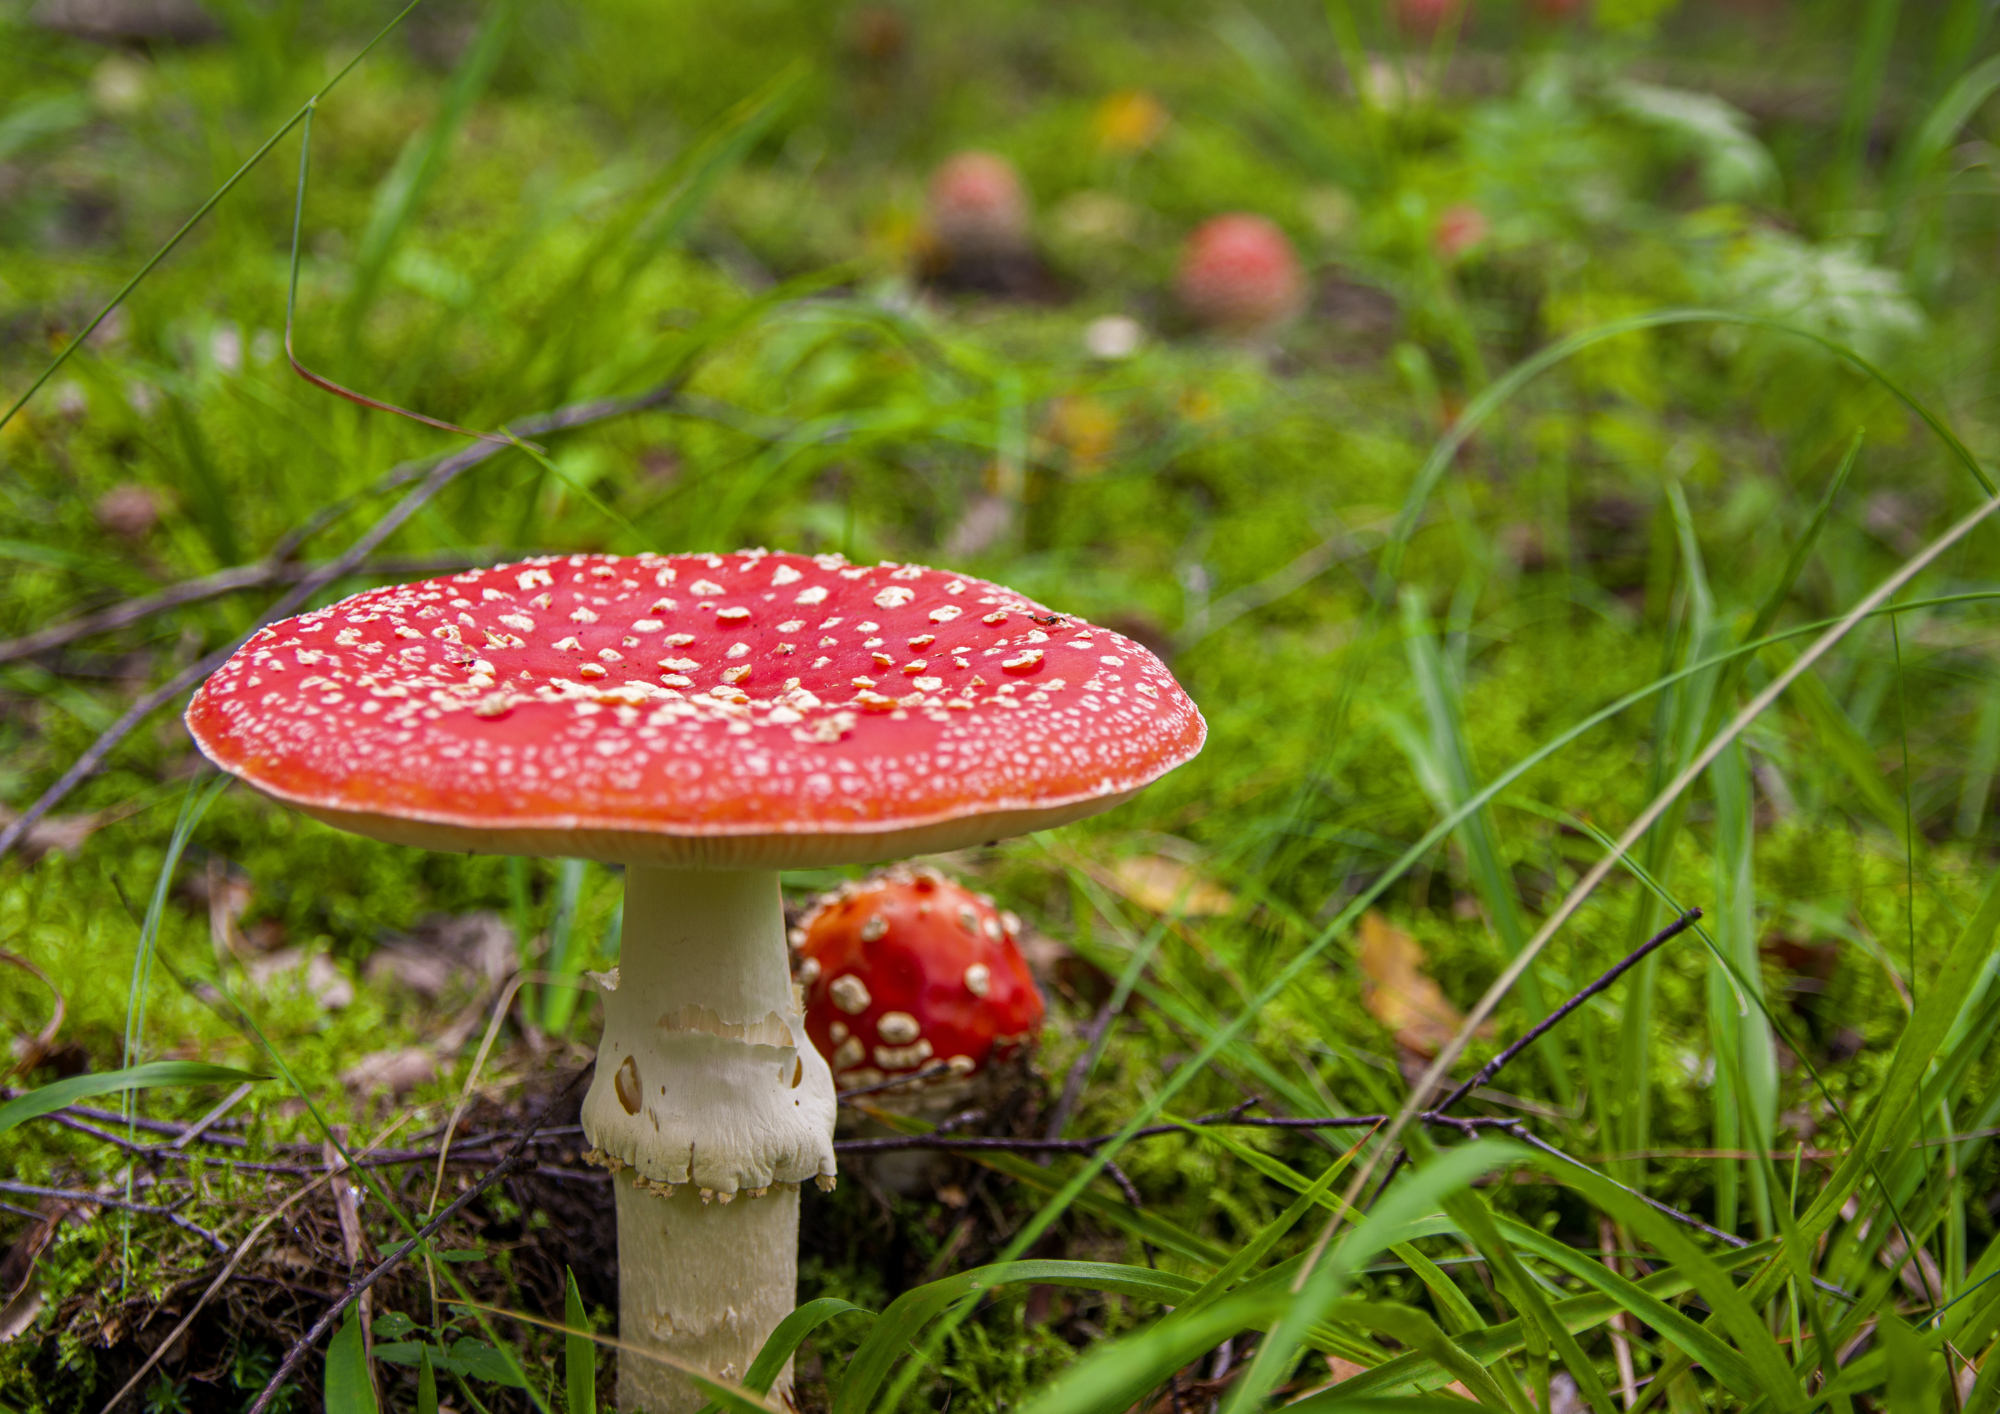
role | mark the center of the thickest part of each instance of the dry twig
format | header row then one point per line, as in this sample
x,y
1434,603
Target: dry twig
x,y
441,474
304,1344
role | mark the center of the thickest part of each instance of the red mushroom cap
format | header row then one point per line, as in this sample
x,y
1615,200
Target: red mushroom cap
x,y
909,970
1238,274
1425,19
752,710
978,206
1460,229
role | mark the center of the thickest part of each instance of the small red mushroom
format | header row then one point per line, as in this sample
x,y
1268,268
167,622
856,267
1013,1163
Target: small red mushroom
x,y
1459,230
978,208
1426,19
1238,275
907,972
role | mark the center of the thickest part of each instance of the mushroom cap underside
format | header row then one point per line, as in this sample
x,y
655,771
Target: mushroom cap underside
x,y
727,711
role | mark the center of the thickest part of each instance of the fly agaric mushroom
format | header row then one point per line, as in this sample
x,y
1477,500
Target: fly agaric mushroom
x,y
1427,19
908,973
1460,230
1238,275
977,207
705,721
976,237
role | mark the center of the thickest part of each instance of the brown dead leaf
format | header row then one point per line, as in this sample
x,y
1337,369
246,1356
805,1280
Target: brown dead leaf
x,y
59,834
395,1071
315,973
1399,993
1344,1370
1162,885
471,952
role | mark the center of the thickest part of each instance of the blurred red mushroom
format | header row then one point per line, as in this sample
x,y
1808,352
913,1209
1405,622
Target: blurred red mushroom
x,y
910,975
1426,19
978,232
1238,275
1458,232
978,207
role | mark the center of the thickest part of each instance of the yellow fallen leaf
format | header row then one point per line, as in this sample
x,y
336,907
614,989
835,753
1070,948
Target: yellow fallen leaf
x,y
1344,1370
1162,885
1399,993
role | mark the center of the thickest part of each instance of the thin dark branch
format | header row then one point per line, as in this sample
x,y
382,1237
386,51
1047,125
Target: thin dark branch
x,y
1099,1033
936,1072
304,1344
291,1286
1729,1239
213,586
474,1152
1232,1118
1555,1018
104,1200
1124,1182
1542,1028
441,475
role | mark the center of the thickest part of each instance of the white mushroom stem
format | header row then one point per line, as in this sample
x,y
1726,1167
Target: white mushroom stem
x,y
712,1107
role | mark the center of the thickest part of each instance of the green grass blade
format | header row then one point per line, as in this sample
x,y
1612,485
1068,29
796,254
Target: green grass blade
x,y
49,1098
427,1384
1444,710
200,796
1421,1193
1892,1116
421,161
1266,1238
1874,41
579,1351
723,1397
558,1002
1105,1380
1161,1232
1835,734
905,1318
1496,394
348,1388
784,1342
1934,136
1716,1355
1540,1318
1985,1397
215,198
1415,1329
1734,1309
1416,1371
1221,1037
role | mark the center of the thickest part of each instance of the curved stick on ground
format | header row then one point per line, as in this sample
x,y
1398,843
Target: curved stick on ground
x,y
441,475
268,571
106,1200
